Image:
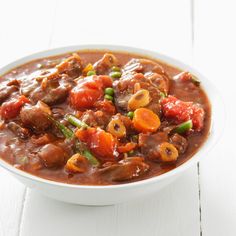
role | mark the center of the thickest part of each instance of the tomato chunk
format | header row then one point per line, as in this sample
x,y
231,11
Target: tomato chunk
x,y
102,144
12,108
182,111
88,91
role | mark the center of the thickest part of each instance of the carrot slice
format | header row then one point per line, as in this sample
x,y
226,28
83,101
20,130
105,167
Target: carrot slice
x,y
145,120
127,147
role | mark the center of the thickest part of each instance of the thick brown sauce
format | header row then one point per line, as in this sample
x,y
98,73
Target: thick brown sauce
x,y
11,147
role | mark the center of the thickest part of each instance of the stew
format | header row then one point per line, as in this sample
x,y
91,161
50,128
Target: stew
x,y
100,117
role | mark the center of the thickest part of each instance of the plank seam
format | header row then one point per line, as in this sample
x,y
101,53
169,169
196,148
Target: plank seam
x,y
199,197
22,211
192,6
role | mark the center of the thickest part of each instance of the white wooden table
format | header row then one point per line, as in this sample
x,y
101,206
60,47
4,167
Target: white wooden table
x,y
200,32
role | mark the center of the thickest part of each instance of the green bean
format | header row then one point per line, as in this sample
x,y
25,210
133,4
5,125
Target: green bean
x,y
76,122
91,72
115,74
68,133
92,159
86,153
108,97
183,127
82,149
109,91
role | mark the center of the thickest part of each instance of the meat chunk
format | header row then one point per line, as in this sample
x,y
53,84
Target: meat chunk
x,y
93,119
126,169
143,65
149,144
54,93
58,112
179,142
71,66
101,117
6,91
49,74
105,106
52,156
19,131
185,76
27,87
35,117
152,71
13,82
160,81
105,63
42,139
124,88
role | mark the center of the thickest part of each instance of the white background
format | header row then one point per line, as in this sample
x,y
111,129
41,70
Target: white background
x,y
200,32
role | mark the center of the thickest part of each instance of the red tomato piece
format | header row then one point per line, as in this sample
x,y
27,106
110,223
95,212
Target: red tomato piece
x,y
102,144
182,111
105,80
88,91
12,108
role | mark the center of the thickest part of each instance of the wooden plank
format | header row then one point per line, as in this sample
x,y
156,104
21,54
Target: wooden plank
x,y
173,211
155,25
214,54
26,27
11,198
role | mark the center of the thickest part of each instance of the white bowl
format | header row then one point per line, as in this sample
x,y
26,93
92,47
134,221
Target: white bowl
x,y
107,195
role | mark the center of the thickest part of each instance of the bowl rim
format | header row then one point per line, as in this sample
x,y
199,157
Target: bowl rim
x,y
213,136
